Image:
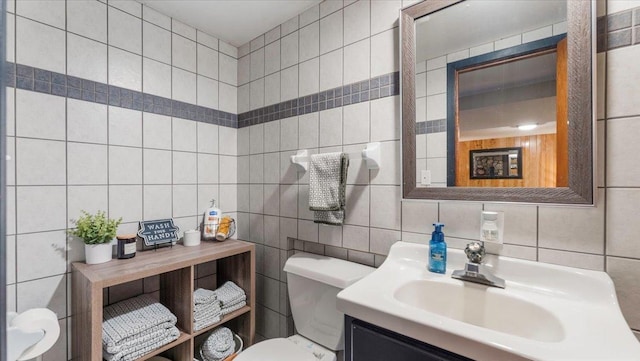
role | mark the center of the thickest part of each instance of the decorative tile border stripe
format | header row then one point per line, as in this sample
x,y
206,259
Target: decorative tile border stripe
x,y
431,126
618,30
379,87
48,82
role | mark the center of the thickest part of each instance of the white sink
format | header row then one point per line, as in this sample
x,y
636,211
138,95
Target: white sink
x,y
545,312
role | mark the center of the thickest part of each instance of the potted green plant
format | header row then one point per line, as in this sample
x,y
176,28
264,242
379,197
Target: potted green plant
x,y
96,231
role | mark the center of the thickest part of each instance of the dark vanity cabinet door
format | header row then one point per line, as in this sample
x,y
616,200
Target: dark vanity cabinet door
x,y
366,342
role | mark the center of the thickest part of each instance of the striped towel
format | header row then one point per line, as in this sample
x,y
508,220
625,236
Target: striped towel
x,y
123,321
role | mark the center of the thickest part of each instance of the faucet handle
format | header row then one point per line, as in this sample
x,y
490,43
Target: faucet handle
x,y
475,252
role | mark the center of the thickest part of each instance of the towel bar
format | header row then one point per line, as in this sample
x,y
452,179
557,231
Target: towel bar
x,y
370,154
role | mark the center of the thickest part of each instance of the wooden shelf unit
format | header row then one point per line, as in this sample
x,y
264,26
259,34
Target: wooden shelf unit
x,y
176,267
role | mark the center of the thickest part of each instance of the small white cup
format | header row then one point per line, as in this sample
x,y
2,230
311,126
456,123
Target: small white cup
x,y
191,238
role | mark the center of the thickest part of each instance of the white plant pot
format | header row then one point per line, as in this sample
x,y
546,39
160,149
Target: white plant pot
x,y
97,253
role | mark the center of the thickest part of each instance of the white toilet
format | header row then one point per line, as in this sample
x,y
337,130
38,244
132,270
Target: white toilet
x,y
313,283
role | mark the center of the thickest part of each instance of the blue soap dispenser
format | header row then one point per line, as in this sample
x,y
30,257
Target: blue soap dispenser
x,y
437,250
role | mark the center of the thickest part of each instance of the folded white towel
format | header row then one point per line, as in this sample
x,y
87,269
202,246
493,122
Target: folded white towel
x,y
206,322
157,340
206,314
229,293
202,295
138,339
206,306
218,345
132,317
227,310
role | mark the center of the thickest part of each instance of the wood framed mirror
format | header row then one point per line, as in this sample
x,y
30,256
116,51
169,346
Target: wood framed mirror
x,y
474,75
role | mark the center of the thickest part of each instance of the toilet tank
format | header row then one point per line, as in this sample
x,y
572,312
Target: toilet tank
x,y
313,282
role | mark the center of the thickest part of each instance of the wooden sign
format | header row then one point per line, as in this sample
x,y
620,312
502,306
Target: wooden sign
x,y
158,232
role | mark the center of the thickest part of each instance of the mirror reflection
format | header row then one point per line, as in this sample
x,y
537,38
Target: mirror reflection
x,y
491,95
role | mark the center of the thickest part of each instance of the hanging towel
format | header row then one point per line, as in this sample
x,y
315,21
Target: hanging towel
x,y
327,187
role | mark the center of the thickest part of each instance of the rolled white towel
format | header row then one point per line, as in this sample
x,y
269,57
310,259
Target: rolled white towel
x,y
218,345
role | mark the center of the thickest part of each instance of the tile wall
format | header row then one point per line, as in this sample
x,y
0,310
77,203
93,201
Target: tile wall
x,y
70,154
346,42
102,117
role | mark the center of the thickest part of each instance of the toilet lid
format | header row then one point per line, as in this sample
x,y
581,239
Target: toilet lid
x,y
277,349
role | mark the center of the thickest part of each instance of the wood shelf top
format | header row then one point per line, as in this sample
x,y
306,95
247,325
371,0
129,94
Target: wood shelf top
x,y
166,259
183,337
226,318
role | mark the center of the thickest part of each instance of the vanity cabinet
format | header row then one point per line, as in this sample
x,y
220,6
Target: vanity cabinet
x,y
176,268
366,342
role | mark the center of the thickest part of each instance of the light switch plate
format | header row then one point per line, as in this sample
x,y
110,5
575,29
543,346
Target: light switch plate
x,y
425,177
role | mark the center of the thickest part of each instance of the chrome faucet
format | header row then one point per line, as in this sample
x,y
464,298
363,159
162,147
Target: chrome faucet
x,y
474,270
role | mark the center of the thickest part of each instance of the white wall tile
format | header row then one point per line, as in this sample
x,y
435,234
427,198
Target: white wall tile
x,y
228,69
228,197
356,62
125,31
183,29
10,37
520,223
289,49
244,98
385,53
310,15
228,169
256,138
621,148
330,127
49,260
156,78
382,239
272,35
384,15
157,166
207,192
88,198
331,32
385,119
356,21
355,123
156,131
87,18
308,130
481,49
157,42
185,200
272,136
573,229
157,202
537,34
621,227
462,54
289,83
125,201
87,58
10,242
272,89
183,85
437,145
309,41
289,26
571,259
154,17
40,115
184,135
49,200
257,43
356,238
207,168
288,172
437,107
417,216
256,199
244,70
385,203
47,292
40,45
243,140
207,92
462,220
125,127
331,70
87,163
48,12
289,133
256,90
11,210
357,207
624,273
272,168
125,165
272,57
228,49
309,77
207,135
256,235
206,39
256,169
257,64
131,7
308,231
508,42
437,81
40,162
10,148
228,141
228,98
421,85
184,168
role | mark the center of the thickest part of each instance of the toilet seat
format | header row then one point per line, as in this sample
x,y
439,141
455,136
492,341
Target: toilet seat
x,y
277,349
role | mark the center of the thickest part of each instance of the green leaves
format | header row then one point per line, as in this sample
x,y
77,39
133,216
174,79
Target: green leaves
x,y
95,229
